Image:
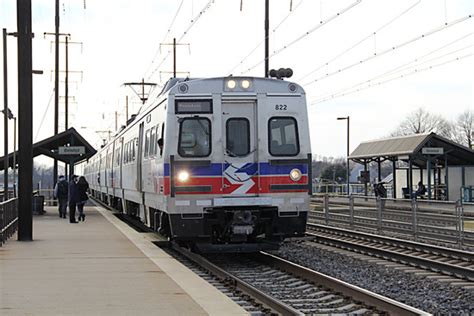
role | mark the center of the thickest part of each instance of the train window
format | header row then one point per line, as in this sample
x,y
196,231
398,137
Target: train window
x,y
194,137
152,141
147,143
238,137
283,136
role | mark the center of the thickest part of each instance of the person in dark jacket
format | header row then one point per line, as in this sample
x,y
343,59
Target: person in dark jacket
x,y
73,199
60,193
82,188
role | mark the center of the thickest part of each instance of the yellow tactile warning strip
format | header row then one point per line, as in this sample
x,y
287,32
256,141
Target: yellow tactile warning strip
x,y
207,296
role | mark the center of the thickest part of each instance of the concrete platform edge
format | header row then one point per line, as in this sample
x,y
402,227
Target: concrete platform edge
x,y
208,297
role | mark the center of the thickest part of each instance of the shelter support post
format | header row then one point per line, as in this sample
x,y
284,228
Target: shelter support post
x,y
428,167
366,192
410,177
446,177
394,179
379,171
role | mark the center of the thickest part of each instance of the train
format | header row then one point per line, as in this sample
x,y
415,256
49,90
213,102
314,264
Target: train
x,y
220,164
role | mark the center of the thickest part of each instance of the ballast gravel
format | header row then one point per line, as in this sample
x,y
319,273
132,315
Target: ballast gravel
x,y
417,291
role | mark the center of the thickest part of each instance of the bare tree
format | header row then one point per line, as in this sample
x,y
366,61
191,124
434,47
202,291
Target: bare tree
x,y
420,121
465,128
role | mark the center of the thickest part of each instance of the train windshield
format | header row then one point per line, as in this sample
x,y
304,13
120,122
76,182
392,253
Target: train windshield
x,y
283,136
238,137
195,137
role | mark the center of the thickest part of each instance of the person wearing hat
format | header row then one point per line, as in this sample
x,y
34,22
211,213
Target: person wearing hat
x,y
73,199
61,193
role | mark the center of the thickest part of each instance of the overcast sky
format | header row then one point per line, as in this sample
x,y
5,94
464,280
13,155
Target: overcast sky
x,y
375,61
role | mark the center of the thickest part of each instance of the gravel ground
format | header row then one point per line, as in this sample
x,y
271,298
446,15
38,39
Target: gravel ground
x,y
425,294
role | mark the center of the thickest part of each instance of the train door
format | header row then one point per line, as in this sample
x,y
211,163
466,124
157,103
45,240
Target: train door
x,y
140,157
240,167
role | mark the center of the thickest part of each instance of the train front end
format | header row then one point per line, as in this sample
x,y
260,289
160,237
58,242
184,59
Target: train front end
x,y
240,179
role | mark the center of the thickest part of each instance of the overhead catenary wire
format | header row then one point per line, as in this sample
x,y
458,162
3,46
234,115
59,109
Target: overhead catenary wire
x,y
165,37
263,41
307,33
44,115
191,24
391,49
371,34
415,71
404,66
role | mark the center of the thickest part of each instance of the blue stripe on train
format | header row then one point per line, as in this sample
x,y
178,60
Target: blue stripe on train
x,y
266,169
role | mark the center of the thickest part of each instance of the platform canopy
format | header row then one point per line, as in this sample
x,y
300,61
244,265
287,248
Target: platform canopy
x,y
57,147
422,151
419,148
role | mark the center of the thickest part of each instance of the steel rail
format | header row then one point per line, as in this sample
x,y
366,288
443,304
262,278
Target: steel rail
x,y
248,289
442,251
441,267
359,294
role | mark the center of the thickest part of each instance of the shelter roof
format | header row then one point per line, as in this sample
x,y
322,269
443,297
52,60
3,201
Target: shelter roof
x,y
49,147
405,147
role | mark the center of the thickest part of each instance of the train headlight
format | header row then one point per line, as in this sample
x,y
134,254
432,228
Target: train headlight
x,y
183,176
245,84
231,84
295,174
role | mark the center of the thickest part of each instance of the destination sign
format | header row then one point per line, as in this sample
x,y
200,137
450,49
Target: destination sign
x,y
193,106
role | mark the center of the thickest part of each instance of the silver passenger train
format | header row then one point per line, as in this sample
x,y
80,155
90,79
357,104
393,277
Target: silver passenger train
x,y
223,164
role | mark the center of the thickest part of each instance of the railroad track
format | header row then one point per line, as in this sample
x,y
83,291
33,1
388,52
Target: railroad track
x,y
289,289
265,284
455,263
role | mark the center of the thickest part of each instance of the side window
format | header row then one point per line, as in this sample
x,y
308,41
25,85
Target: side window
x,y
125,153
283,136
152,141
147,143
194,137
238,137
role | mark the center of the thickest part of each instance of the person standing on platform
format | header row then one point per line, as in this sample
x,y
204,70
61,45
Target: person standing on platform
x,y
60,193
73,199
82,188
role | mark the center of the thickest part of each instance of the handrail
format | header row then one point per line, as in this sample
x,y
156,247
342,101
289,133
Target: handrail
x,y
8,219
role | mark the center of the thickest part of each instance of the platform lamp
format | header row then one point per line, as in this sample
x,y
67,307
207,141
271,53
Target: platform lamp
x,y
348,170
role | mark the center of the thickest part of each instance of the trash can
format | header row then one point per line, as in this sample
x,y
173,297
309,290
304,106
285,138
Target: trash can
x,y
38,204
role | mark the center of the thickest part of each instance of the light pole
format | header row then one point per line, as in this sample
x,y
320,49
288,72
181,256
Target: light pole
x,y
348,171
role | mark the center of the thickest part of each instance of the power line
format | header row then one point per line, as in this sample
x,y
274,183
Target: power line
x,y
44,114
263,41
192,23
415,71
361,41
321,24
391,49
404,66
165,37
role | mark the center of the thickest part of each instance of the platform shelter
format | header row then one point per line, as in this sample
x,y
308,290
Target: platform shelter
x,y
443,166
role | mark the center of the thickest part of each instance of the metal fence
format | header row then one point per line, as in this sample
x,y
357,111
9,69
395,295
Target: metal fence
x,y
447,222
341,189
8,219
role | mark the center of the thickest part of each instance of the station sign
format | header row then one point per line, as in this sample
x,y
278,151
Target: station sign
x,y
72,150
432,150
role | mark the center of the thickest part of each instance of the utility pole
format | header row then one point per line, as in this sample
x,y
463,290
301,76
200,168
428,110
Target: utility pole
x,y
267,38
126,109
5,117
66,86
141,94
25,120
174,44
56,84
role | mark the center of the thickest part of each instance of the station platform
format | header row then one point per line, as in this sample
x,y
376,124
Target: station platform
x,y
99,267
